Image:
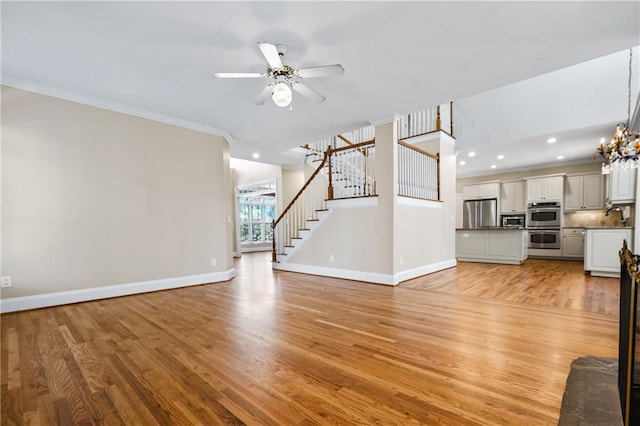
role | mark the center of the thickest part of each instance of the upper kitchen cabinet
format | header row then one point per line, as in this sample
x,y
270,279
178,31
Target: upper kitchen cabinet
x,y
545,188
481,191
621,186
513,197
584,192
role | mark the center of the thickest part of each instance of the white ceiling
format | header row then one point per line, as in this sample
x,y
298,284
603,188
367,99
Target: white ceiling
x,y
156,59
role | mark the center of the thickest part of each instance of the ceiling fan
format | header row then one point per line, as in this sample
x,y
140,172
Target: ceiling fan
x,y
285,78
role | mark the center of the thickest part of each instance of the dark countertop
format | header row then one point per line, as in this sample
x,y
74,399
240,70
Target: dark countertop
x,y
607,227
494,228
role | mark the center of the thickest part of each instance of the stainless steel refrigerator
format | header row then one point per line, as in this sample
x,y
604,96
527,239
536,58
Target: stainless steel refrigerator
x,y
480,213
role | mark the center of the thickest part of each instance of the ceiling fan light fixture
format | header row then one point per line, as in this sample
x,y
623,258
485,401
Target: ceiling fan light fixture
x,y
282,94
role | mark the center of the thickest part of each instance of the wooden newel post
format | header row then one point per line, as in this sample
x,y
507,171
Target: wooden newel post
x,y
330,187
438,117
274,257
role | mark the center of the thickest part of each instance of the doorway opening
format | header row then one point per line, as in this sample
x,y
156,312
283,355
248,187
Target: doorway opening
x,y
256,212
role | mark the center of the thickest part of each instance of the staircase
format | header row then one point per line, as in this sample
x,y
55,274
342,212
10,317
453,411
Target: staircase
x,y
343,172
303,233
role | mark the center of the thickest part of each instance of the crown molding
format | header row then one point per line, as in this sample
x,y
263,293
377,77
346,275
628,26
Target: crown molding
x,y
384,119
111,106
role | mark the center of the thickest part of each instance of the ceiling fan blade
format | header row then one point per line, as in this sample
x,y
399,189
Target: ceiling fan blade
x,y
271,54
239,75
266,92
322,71
307,92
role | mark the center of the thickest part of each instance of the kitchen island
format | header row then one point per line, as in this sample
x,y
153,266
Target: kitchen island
x,y
602,247
492,245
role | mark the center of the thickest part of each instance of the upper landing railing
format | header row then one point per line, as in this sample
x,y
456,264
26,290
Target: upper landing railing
x,y
427,121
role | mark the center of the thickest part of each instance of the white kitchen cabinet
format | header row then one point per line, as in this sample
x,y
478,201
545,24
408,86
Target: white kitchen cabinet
x,y
573,242
513,197
602,247
492,246
621,186
594,191
481,191
546,188
584,192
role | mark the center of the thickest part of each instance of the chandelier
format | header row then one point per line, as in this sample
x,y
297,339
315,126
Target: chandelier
x,y
624,148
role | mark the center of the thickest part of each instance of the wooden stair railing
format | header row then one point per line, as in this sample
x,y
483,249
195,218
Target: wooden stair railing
x,y
426,121
275,223
355,171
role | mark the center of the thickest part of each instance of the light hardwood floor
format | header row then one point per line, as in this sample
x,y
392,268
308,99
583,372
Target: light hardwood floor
x,y
476,344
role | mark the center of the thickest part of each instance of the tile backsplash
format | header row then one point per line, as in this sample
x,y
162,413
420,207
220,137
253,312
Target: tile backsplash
x,y
599,218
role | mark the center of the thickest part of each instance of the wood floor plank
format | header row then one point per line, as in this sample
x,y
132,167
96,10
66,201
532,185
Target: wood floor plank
x,y
478,344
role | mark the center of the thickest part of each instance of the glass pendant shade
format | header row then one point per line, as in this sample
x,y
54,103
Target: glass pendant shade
x,y
281,94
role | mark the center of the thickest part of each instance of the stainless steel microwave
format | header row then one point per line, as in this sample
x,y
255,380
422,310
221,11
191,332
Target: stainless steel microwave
x,y
513,221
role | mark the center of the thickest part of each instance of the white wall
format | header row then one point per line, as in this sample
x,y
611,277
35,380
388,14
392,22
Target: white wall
x,y
94,198
292,181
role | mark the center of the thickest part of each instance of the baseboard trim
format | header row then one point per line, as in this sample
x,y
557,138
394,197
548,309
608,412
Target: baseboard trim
x,y
249,249
369,277
424,270
45,300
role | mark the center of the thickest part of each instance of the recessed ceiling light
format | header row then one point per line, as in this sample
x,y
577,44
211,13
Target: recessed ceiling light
x,y
472,154
500,157
256,155
462,163
493,166
551,140
560,157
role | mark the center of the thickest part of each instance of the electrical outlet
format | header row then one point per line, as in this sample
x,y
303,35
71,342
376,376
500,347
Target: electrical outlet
x,y
331,258
6,281
214,262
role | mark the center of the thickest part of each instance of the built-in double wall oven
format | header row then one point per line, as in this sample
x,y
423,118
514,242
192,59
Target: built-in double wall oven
x,y
543,222
544,215
544,238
